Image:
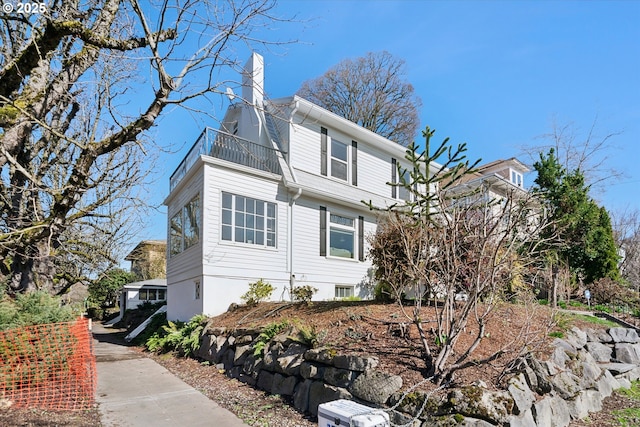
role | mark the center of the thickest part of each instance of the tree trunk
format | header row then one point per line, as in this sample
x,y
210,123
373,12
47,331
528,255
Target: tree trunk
x,y
32,269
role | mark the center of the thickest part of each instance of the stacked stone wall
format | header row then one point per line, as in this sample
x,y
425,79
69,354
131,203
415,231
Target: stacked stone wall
x,y
584,368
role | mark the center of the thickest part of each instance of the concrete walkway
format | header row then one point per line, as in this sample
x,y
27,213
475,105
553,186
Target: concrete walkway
x,y
134,391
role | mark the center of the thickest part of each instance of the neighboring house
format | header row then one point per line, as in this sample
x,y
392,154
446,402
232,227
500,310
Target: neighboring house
x,y
490,185
136,293
501,179
148,259
148,263
276,193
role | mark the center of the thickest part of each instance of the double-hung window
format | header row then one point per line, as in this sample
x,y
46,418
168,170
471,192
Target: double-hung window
x,y
516,178
338,159
341,235
184,227
248,220
400,191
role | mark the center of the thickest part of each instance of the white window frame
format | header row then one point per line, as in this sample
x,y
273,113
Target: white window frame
x,y
181,239
402,191
331,158
344,291
149,292
175,234
516,178
235,220
191,222
342,228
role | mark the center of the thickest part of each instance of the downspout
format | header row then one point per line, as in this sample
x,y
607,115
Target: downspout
x,y
292,202
292,276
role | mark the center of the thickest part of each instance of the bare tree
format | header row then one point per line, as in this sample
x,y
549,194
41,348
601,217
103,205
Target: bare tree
x,y
80,84
588,152
462,246
370,91
627,232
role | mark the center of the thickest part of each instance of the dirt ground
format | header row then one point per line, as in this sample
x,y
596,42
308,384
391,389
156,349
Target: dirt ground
x,y
356,328
385,331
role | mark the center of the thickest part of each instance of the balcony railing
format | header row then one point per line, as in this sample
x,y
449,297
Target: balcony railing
x,y
231,148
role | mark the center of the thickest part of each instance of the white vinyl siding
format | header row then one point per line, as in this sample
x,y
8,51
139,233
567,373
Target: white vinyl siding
x,y
325,271
228,258
186,264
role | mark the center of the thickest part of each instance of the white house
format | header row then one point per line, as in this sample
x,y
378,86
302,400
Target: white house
x,y
276,193
137,293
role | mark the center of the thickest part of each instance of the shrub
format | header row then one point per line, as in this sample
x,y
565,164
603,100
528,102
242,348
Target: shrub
x,y
34,308
103,292
157,321
608,291
383,292
258,291
179,336
267,335
310,336
351,298
303,293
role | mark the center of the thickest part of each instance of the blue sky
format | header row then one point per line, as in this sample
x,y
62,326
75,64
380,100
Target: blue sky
x,y
494,74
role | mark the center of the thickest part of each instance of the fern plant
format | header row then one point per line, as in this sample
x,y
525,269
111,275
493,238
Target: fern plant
x,y
267,334
178,336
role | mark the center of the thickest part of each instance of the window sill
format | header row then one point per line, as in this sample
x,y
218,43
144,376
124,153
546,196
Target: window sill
x,y
355,260
247,245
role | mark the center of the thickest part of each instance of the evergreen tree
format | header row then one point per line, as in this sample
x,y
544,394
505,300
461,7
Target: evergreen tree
x,y
582,236
104,291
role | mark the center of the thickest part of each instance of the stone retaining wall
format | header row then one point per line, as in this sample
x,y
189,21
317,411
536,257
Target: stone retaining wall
x,y
584,368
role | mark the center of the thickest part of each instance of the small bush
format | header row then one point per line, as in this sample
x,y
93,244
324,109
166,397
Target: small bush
x,y
258,291
34,308
602,308
303,293
608,291
267,335
383,292
179,336
157,321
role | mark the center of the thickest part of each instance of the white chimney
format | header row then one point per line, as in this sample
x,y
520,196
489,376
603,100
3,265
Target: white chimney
x,y
253,80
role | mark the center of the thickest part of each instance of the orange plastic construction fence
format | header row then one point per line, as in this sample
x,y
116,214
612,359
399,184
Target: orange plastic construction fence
x,y
48,366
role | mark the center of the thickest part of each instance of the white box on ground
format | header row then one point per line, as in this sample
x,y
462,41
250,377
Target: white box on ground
x,y
348,413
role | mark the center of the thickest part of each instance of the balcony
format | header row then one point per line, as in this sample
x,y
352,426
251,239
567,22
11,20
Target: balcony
x,y
231,148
